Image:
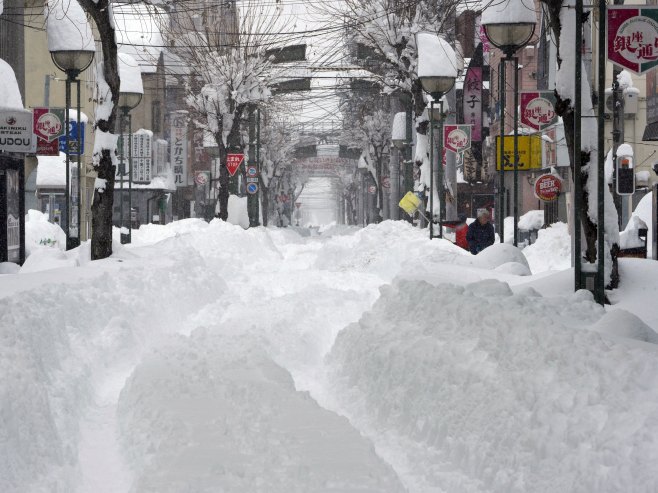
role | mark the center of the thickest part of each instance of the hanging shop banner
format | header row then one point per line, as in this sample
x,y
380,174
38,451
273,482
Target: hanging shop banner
x,y
457,138
179,146
72,148
472,99
538,109
49,126
142,152
548,188
16,131
529,148
633,37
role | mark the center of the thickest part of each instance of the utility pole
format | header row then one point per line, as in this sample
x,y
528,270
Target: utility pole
x,y
617,131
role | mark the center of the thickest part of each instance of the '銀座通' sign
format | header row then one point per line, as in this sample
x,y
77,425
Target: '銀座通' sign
x,y
538,109
633,37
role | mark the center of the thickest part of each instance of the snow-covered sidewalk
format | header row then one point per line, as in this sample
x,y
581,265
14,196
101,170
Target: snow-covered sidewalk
x,y
209,358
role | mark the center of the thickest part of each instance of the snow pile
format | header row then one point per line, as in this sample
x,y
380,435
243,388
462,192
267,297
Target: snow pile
x,y
503,257
623,324
10,96
642,214
57,342
51,171
551,251
67,27
130,74
531,220
238,213
208,414
630,237
493,391
41,234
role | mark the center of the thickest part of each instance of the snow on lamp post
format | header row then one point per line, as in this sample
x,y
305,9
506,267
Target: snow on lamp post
x,y
71,46
509,26
437,71
131,91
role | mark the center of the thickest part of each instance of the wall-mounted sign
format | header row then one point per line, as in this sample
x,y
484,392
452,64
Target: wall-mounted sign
x,y
633,37
530,152
457,138
538,109
548,188
72,148
16,131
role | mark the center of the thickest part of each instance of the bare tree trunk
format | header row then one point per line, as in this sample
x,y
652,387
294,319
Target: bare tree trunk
x,y
101,209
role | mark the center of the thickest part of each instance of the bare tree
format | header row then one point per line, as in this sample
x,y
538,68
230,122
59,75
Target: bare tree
x,y
231,70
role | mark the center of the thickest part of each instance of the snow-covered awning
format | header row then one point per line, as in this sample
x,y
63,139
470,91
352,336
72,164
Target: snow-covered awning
x,y
51,171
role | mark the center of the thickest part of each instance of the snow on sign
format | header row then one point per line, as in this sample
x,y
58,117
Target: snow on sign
x,y
233,162
633,37
538,109
548,188
457,138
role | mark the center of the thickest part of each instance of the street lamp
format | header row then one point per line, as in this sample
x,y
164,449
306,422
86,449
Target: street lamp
x,y
509,26
437,71
131,91
72,63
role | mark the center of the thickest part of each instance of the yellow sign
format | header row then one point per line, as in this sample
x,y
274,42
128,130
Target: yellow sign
x,y
529,152
410,203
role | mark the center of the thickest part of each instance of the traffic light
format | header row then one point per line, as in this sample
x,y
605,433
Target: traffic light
x,y
625,175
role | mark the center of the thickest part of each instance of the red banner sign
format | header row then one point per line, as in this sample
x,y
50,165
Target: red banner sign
x,y
49,126
633,37
538,109
233,162
457,138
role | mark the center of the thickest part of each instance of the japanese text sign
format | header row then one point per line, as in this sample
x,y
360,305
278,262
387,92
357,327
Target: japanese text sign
x,y
538,109
633,37
457,138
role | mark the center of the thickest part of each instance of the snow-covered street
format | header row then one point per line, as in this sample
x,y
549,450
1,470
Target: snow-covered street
x,y
209,358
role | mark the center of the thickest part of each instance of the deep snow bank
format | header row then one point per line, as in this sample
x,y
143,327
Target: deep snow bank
x,y
212,414
502,389
56,338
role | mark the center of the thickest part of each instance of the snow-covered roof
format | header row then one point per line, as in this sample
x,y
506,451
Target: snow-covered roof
x,y
51,171
10,95
130,74
139,32
156,183
67,27
435,56
509,11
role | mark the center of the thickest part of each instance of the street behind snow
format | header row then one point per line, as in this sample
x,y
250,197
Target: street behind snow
x,y
205,358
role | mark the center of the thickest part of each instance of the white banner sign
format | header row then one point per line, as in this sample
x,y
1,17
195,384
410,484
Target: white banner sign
x,y
179,148
16,134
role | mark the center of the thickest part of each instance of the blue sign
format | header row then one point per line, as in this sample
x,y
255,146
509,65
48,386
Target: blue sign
x,y
252,188
73,137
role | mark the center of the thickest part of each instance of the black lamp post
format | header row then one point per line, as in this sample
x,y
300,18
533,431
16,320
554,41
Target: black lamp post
x,y
127,102
72,63
436,79
509,33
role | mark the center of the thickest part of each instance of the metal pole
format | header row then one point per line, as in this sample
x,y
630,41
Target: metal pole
x,y
577,182
130,176
431,132
79,142
516,151
501,173
260,184
122,172
600,284
442,197
68,170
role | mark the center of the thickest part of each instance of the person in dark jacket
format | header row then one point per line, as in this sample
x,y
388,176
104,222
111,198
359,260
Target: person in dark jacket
x,y
480,233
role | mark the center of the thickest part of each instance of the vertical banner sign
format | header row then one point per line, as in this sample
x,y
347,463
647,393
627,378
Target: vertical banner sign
x,y
49,127
142,156
457,138
473,102
538,109
179,147
13,216
160,157
633,37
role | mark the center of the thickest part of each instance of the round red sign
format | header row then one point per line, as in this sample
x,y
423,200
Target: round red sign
x,y
548,187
